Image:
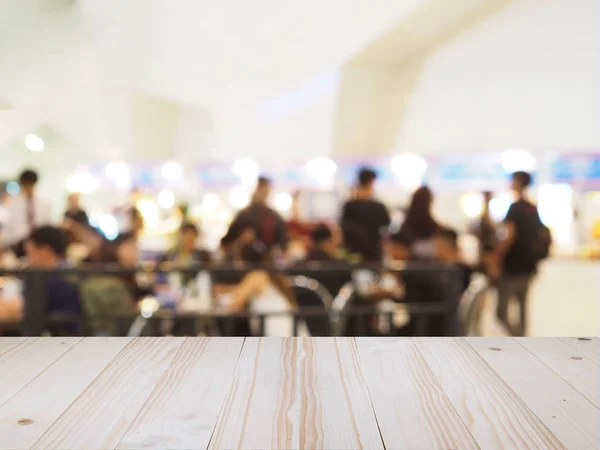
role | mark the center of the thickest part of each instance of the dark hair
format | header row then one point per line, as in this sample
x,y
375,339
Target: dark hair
x,y
321,234
402,237
189,226
449,235
28,177
52,237
257,253
366,176
111,248
419,222
263,181
523,178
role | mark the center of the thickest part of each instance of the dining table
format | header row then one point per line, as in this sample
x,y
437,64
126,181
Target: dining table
x,y
299,393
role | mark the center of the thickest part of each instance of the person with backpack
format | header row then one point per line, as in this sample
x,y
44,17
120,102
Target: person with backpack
x,y
268,225
525,241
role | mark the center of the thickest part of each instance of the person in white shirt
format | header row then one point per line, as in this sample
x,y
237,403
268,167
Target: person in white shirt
x,y
26,212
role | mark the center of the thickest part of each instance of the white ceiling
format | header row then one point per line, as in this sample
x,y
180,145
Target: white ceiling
x,y
146,79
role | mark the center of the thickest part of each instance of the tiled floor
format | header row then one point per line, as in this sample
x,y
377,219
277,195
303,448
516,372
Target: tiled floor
x,y
564,301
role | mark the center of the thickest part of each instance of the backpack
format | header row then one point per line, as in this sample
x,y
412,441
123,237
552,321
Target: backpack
x,y
542,242
103,298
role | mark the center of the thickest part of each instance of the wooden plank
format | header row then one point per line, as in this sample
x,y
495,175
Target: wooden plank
x,y
8,346
298,393
414,412
27,415
183,409
580,372
32,358
492,412
573,419
100,417
587,347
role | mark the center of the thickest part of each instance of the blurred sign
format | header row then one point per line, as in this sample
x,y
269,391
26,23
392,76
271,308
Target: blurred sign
x,y
468,173
581,169
217,175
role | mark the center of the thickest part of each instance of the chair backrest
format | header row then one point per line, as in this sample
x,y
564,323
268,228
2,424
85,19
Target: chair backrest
x,y
311,294
471,304
340,303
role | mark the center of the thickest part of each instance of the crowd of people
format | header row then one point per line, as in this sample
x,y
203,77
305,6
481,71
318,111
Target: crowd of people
x,y
258,235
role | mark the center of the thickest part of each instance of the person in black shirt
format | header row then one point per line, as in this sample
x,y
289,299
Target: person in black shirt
x,y
364,220
269,226
515,255
46,249
323,250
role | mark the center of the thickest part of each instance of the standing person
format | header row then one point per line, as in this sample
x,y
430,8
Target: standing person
x,y
26,212
420,227
364,220
526,240
269,226
74,211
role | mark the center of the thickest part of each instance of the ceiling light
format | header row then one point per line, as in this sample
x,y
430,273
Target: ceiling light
x,y
119,173
321,169
171,171
166,199
82,182
239,197
283,202
210,202
247,170
472,204
409,169
514,160
34,143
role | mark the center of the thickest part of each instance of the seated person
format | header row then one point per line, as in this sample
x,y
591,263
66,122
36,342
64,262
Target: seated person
x,y
104,295
46,249
261,292
446,250
186,253
324,249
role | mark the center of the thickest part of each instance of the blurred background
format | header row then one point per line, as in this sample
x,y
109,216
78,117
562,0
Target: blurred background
x,y
176,109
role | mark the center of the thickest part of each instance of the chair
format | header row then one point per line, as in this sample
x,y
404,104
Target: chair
x,y
341,303
471,304
310,294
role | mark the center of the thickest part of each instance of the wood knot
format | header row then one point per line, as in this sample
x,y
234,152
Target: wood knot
x,y
583,339
25,422
496,349
576,358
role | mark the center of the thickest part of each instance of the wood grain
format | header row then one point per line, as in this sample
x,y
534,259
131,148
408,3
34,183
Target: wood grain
x,y
492,412
183,409
28,414
102,414
589,348
8,344
30,359
573,419
297,393
579,371
414,412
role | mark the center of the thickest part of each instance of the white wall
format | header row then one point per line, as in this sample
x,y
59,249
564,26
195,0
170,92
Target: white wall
x,y
527,76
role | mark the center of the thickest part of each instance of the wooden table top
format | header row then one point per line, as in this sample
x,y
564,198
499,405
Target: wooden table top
x,y
336,393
